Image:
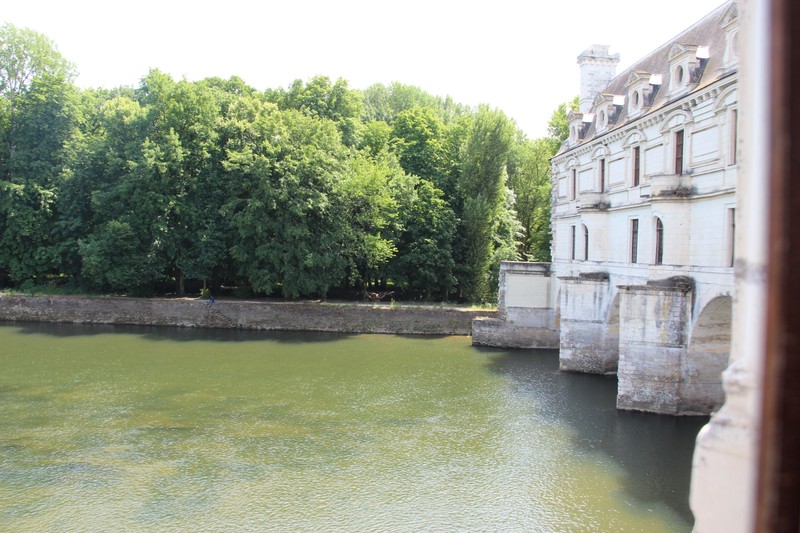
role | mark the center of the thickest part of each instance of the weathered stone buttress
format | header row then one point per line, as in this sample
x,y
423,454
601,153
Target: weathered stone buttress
x,y
587,343
527,318
655,321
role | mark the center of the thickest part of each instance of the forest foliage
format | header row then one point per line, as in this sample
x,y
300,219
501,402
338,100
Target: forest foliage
x,y
315,190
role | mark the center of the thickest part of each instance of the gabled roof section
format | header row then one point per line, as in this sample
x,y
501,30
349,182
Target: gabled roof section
x,y
636,75
707,37
731,16
678,49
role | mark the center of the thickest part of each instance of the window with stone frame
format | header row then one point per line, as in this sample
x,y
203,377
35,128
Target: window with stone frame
x,y
572,244
573,184
733,121
585,243
602,175
679,138
659,257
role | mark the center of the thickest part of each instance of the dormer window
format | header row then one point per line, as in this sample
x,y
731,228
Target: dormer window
x,y
686,63
730,24
577,126
679,75
642,87
607,107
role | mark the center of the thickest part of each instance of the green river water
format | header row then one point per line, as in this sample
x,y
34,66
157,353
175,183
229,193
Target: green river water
x,y
142,429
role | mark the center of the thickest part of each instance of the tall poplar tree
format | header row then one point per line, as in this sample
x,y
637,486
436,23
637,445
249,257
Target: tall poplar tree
x,y
482,188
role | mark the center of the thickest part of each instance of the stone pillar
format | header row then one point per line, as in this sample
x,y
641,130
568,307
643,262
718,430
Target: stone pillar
x,y
653,339
586,343
725,462
525,306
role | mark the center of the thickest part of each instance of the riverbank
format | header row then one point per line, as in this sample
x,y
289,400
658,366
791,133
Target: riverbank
x,y
346,317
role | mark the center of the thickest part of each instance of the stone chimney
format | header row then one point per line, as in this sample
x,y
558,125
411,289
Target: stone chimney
x,y
598,68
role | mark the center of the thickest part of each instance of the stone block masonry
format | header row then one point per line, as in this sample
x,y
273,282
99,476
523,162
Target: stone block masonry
x,y
525,316
235,314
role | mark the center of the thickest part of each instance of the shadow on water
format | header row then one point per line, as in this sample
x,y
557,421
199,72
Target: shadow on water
x,y
171,333
653,451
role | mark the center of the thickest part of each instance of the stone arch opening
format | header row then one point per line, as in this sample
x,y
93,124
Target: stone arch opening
x,y
707,357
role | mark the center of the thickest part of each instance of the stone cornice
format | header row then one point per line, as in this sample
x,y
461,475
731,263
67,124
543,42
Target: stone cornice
x,y
685,102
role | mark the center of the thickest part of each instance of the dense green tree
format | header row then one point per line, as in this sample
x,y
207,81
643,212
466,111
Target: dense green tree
x,y
376,138
288,236
37,118
323,99
557,127
194,241
418,136
529,178
483,189
29,62
291,191
369,198
424,263
385,103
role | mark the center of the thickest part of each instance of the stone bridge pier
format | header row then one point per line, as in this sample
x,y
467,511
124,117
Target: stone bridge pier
x,y
670,361
527,318
668,340
589,340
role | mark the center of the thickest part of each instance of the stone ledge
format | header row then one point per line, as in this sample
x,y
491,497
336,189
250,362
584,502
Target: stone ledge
x,y
235,314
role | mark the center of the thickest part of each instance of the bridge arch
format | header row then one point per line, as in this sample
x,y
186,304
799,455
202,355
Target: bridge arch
x,y
707,357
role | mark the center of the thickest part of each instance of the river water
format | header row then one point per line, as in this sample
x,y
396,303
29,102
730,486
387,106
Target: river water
x,y
141,429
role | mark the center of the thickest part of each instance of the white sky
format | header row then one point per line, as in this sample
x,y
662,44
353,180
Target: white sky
x,y
517,55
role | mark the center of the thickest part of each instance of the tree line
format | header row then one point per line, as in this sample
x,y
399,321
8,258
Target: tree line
x,y
313,190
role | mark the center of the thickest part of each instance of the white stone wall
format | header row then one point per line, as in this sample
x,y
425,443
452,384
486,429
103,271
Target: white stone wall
x,y
696,209
724,469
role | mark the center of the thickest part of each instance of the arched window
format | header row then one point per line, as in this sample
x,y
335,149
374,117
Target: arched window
x,y
659,259
585,243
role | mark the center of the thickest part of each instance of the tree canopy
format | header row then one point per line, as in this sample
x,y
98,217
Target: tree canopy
x,y
313,190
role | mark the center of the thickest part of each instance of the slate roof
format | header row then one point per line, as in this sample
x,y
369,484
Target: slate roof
x,y
708,31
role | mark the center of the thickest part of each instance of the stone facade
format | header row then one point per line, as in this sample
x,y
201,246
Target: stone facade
x,y
290,316
644,196
644,221
725,466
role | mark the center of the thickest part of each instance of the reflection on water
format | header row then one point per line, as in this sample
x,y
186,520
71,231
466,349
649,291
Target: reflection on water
x,y
136,429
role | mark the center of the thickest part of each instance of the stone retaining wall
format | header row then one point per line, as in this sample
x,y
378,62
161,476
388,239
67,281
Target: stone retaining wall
x,y
291,316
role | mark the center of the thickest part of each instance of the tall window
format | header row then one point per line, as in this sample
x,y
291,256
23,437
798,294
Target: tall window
x,y
659,259
602,175
634,239
734,121
573,185
731,248
637,166
572,245
679,152
585,243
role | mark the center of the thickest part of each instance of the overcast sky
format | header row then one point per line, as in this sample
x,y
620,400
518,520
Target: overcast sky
x,y
517,55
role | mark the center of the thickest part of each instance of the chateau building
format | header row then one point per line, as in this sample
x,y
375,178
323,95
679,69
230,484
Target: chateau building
x,y
644,219
644,225
664,144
